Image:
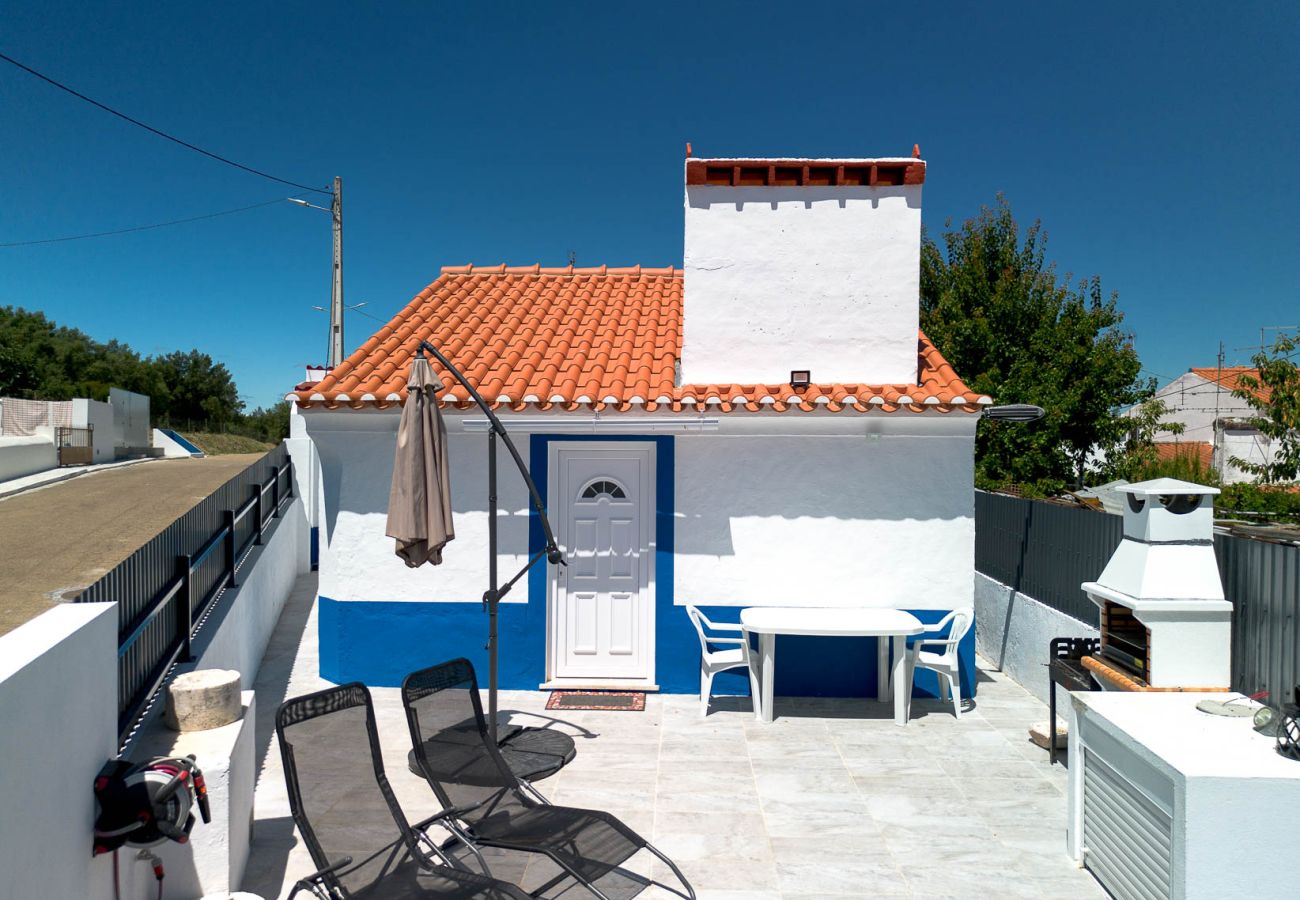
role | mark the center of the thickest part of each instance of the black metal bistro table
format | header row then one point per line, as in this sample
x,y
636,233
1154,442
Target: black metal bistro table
x,y
531,753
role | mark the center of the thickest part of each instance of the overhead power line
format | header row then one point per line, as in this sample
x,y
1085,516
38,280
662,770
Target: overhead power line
x,y
82,237
152,130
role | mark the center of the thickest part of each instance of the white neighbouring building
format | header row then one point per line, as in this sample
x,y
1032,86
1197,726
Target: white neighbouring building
x,y
681,456
1216,423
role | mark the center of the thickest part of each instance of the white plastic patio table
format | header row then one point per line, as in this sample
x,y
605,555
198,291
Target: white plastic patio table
x,y
769,621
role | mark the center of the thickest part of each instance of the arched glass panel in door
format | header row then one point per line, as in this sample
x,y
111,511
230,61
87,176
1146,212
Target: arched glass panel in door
x,y
603,487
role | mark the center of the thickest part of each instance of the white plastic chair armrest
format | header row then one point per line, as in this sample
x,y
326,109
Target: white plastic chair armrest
x,y
725,640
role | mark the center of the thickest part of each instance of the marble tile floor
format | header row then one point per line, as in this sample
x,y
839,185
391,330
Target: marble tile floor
x,y
832,800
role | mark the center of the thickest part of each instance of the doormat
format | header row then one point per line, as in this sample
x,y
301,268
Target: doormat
x,y
628,700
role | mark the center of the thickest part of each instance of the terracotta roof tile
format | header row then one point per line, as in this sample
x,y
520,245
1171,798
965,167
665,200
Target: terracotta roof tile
x,y
1201,451
1230,378
598,338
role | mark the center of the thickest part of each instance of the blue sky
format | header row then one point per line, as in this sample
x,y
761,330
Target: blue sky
x,y
1156,141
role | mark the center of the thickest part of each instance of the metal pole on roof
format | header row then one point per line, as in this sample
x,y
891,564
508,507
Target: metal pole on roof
x,y
336,288
492,599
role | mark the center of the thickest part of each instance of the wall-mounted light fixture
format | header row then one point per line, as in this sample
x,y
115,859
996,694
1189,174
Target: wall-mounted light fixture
x,y
1015,412
800,379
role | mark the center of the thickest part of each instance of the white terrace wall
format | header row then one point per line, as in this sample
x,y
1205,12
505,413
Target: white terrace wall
x,y
26,455
1013,631
58,706
819,278
58,726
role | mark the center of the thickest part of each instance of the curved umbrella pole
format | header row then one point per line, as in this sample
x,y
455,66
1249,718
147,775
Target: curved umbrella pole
x,y
492,596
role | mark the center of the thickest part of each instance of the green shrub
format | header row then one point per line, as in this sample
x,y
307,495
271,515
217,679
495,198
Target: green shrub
x,y
1277,503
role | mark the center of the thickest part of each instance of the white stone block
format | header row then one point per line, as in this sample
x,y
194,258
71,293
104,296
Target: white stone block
x,y
203,699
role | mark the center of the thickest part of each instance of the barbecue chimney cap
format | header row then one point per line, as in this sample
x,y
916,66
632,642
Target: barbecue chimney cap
x,y
1165,487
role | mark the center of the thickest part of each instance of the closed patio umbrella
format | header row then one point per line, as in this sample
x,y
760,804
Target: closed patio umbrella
x,y
419,503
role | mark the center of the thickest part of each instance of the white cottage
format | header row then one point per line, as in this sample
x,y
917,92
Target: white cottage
x,y
765,426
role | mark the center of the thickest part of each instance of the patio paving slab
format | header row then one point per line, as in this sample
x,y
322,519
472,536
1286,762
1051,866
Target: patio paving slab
x,y
832,800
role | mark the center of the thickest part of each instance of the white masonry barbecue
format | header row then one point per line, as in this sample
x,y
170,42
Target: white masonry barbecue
x,y
1164,621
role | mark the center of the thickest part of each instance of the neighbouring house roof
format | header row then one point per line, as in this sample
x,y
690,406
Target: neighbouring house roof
x,y
1202,451
1230,377
598,338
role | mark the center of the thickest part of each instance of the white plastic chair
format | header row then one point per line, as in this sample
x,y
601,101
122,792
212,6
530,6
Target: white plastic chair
x,y
944,663
714,661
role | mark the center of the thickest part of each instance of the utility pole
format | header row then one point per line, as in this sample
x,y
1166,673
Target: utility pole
x,y
1218,389
336,292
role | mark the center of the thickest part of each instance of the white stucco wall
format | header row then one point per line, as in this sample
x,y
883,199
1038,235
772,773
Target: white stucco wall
x,y
58,706
23,455
1191,402
825,520
810,510
97,415
212,863
1246,444
355,450
782,278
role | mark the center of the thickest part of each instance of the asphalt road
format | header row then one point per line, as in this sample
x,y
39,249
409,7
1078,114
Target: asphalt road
x,y
62,538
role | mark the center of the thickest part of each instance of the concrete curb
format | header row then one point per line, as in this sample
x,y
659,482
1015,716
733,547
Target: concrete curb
x,y
56,476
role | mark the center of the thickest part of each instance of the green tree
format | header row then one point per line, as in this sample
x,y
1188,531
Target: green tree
x,y
995,307
1275,395
198,390
270,424
1137,457
41,359
17,372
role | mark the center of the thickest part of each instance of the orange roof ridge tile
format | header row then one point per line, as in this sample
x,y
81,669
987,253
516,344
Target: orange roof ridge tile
x,y
609,337
499,269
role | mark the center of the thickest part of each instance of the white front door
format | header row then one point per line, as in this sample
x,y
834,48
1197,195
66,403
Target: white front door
x,y
601,618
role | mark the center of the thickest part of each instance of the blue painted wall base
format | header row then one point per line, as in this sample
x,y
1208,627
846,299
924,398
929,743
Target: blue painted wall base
x,y
379,642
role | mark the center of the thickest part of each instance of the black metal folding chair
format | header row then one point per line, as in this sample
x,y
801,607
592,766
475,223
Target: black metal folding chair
x,y
347,814
488,806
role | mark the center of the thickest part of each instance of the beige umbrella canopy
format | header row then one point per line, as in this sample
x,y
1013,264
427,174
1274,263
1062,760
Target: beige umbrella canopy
x,y
419,504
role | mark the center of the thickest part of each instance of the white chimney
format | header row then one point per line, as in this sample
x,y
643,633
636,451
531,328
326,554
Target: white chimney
x,y
1164,575
809,264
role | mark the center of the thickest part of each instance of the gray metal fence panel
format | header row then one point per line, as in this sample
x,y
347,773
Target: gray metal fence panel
x,y
1262,580
1046,550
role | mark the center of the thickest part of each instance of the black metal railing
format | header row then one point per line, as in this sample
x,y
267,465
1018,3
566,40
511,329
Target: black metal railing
x,y
165,589
1046,550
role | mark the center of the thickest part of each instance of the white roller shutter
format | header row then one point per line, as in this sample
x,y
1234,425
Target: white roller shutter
x,y
1126,834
